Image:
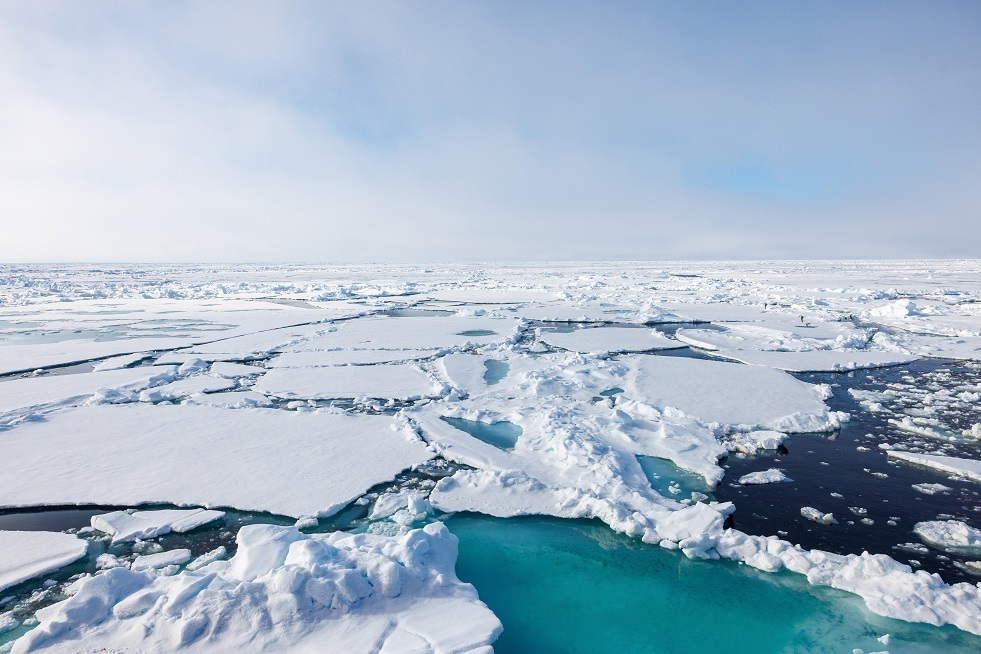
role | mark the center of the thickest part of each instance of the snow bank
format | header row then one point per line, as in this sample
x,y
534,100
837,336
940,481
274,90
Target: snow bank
x,y
28,554
282,591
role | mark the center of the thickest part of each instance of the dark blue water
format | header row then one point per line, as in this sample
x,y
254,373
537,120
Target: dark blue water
x,y
823,464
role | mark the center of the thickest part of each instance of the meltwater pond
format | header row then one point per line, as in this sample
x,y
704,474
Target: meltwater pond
x,y
575,586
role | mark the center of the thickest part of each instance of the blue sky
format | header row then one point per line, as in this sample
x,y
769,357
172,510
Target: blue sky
x,y
313,131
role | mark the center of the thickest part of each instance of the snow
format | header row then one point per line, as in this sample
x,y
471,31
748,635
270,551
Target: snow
x,y
931,489
126,526
817,360
948,533
285,462
602,340
965,468
347,357
728,393
419,333
384,381
28,554
234,370
820,517
186,387
771,476
116,363
36,393
161,560
348,593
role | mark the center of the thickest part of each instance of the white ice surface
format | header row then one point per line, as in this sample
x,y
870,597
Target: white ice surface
x,y
32,393
234,370
817,360
966,468
315,358
161,560
419,333
728,393
28,554
116,363
185,387
770,476
285,462
125,526
282,591
949,533
601,340
384,381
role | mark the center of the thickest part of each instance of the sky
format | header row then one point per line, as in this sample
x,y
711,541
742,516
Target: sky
x,y
505,130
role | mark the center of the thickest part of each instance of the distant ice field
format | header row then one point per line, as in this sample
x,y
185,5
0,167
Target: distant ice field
x,y
303,444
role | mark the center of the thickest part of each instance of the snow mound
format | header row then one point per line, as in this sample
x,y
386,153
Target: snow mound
x,y
282,591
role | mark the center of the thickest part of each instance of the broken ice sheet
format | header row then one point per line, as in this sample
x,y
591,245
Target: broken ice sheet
x,y
284,462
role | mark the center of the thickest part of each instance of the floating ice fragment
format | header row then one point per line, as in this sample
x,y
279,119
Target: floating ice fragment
x,y
814,515
125,526
949,533
770,476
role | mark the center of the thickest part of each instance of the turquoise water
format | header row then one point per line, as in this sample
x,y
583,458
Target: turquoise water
x,y
610,392
501,434
662,474
496,371
575,586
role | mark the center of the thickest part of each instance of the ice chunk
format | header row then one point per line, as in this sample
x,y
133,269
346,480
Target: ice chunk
x,y
814,515
770,476
967,468
161,559
948,533
124,526
28,554
234,370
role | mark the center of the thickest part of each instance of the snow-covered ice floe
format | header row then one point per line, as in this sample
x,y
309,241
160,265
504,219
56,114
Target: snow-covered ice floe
x,y
965,468
771,476
949,533
281,591
131,525
611,339
28,554
285,462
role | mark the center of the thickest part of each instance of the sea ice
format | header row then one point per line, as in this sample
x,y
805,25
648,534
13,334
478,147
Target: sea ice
x,y
28,554
966,468
602,340
282,591
770,476
284,462
125,526
948,533
383,381
729,394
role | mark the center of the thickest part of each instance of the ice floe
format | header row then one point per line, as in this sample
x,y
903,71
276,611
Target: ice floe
x,y
126,455
949,533
132,525
28,554
965,468
601,340
771,476
337,591
383,381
